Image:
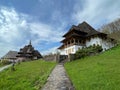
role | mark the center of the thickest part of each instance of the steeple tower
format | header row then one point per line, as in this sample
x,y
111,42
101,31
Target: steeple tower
x,y
28,52
30,43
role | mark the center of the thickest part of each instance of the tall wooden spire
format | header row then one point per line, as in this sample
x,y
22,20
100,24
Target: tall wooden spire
x,y
30,43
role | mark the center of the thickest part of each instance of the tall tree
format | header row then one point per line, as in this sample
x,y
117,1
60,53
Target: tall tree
x,y
112,29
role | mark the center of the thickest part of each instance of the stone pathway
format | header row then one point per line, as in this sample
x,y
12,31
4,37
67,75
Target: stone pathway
x,y
58,80
4,67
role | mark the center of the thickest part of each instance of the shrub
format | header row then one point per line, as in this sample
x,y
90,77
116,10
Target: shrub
x,y
91,50
0,63
5,62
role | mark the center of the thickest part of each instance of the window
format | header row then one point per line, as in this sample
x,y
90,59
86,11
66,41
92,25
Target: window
x,y
80,41
72,41
83,42
97,42
76,41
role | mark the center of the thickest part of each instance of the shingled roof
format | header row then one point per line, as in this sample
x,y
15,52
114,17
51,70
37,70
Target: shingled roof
x,y
29,52
83,28
10,55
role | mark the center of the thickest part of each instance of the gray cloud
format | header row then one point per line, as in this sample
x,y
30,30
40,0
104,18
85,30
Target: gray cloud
x,y
15,31
97,12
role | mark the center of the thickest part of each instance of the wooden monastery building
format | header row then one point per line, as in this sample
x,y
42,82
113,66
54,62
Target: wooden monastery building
x,y
11,55
28,53
84,35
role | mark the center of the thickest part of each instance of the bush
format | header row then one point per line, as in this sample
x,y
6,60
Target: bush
x,y
0,63
5,62
91,50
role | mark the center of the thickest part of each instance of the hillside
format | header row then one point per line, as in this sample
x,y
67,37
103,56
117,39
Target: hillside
x,y
27,76
100,72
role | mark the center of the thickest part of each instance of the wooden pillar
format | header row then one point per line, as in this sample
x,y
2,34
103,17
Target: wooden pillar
x,y
78,41
67,43
70,42
64,45
74,40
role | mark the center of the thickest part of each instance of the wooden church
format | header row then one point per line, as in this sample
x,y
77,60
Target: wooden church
x,y
28,53
84,35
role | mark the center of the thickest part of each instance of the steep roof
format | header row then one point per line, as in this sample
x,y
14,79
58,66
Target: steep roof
x,y
36,53
83,28
10,55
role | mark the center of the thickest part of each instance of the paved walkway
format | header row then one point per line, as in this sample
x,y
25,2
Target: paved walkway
x,y
58,80
4,67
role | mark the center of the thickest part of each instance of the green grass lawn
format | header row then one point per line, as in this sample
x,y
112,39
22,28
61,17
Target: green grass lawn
x,y
27,76
100,72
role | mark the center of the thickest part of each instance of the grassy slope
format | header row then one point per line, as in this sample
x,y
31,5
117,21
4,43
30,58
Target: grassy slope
x,y
101,72
28,76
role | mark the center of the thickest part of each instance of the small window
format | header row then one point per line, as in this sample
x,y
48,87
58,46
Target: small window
x,y
105,49
72,41
83,42
79,41
76,41
96,42
68,42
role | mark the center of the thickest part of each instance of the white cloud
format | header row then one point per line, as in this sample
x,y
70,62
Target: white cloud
x,y
11,25
15,31
45,32
97,12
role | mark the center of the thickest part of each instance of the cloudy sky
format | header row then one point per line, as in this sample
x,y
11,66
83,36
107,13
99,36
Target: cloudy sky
x,y
45,21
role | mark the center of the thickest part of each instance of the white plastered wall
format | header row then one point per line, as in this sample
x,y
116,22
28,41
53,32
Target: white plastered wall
x,y
97,41
70,50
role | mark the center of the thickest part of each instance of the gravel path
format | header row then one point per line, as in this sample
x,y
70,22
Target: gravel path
x,y
4,67
58,80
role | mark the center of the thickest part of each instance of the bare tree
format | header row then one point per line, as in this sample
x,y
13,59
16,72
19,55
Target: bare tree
x,y
112,29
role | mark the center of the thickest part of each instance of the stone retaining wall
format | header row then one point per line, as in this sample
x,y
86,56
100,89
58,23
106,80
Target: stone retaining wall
x,y
57,58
